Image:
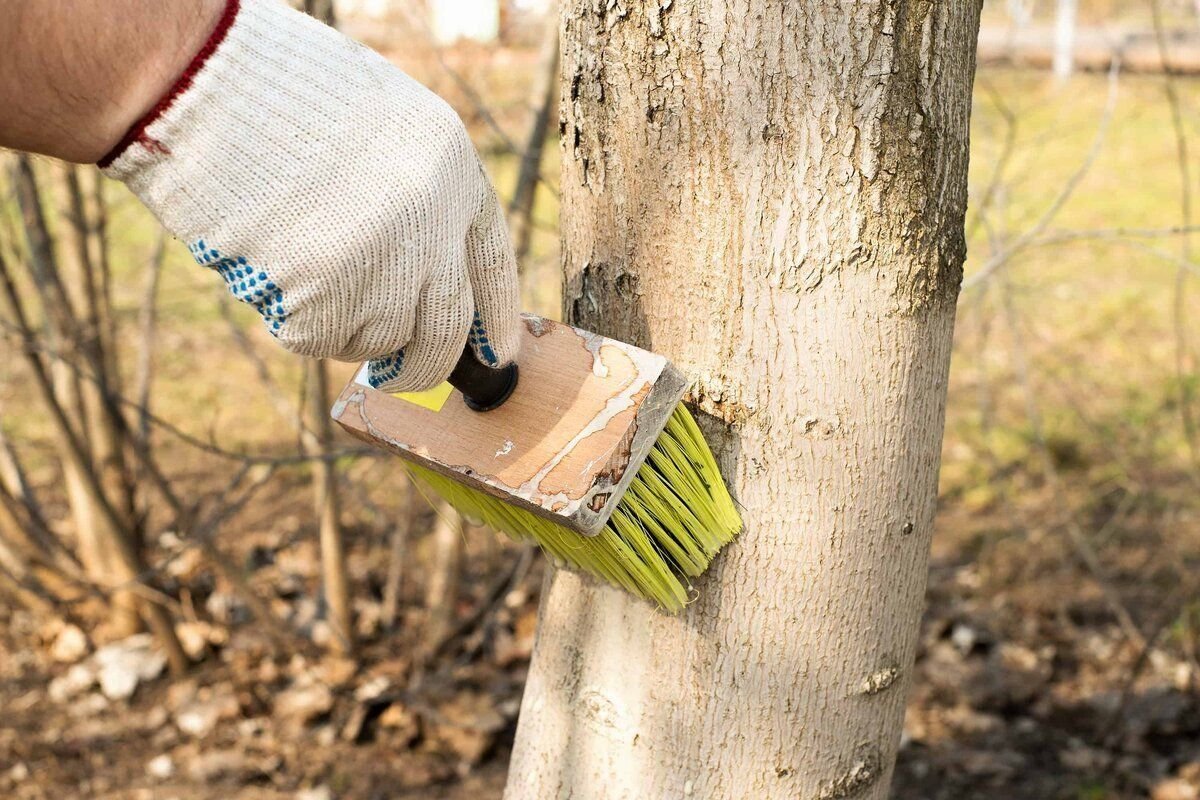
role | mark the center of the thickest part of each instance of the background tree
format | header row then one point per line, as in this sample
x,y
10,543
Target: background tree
x,y
1064,39
322,10
774,198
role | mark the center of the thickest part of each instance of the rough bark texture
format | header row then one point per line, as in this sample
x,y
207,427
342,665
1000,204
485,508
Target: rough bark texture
x,y
771,195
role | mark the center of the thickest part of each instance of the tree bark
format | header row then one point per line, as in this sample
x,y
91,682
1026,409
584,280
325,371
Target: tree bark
x,y
772,195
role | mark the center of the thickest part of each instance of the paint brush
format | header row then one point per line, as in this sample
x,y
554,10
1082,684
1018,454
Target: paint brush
x,y
586,451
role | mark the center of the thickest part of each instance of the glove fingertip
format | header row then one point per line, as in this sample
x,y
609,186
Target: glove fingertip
x,y
384,371
494,346
481,343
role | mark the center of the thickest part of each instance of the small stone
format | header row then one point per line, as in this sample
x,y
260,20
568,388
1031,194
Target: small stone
x,y
117,682
964,638
232,764
322,634
199,717
193,637
77,680
367,620
268,672
124,664
88,706
181,692
227,609
1181,676
218,764
316,793
250,728
1081,758
160,767
27,701
186,564
69,646
19,772
515,647
154,718
372,689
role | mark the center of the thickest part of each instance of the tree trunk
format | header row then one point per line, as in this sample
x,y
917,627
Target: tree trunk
x,y
393,588
1019,12
82,278
322,10
76,458
441,587
334,579
70,305
524,199
771,195
1064,39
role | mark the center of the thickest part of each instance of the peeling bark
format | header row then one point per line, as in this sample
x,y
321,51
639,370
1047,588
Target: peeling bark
x,y
771,195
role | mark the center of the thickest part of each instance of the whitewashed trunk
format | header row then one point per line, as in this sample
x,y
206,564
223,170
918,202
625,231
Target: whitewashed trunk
x,y
1064,39
772,195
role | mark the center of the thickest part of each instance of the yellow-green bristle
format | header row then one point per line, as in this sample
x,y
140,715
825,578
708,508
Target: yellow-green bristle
x,y
667,527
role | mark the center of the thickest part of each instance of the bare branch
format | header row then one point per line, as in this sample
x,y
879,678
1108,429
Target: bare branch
x,y
1022,242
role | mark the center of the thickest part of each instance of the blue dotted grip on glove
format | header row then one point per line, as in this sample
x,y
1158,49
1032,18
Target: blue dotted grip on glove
x,y
478,339
249,284
382,370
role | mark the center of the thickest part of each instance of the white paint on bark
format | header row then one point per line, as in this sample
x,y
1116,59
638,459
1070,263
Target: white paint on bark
x,y
772,196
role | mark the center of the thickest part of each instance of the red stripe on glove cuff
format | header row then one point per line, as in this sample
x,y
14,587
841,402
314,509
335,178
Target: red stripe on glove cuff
x,y
137,134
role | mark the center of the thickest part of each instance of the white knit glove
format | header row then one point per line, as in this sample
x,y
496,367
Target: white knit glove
x,y
333,193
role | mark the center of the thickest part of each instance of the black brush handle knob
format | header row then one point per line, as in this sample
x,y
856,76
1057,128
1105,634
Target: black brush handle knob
x,y
483,388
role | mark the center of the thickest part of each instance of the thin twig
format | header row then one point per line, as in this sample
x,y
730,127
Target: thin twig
x,y
477,103
1077,538
999,260
147,328
1006,152
193,441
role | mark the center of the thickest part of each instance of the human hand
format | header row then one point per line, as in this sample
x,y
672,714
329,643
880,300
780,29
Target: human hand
x,y
334,194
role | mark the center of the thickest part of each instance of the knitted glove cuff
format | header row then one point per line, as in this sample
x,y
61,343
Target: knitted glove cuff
x,y
137,133
270,87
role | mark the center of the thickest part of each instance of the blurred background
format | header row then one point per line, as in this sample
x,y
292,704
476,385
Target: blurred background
x,y
206,592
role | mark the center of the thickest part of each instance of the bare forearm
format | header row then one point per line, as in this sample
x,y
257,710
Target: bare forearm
x,y
75,75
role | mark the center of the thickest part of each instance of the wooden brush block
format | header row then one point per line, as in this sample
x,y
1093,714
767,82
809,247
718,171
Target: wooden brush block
x,y
566,445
